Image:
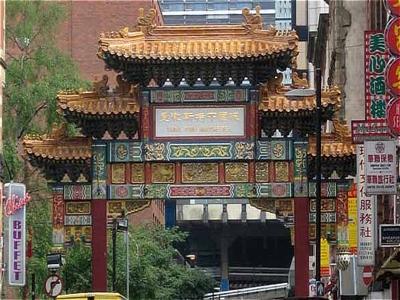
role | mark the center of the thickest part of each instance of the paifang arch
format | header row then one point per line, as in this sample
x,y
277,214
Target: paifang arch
x,y
194,115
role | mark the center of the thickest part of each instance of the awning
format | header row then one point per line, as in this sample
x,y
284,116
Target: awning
x,y
391,264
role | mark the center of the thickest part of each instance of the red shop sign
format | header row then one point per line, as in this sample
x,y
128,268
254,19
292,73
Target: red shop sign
x,y
392,76
393,116
393,6
392,36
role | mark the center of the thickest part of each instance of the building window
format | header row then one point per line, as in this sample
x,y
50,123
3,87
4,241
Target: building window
x,y
378,15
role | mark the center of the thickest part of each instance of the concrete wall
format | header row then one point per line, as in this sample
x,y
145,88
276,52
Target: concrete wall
x,y
346,48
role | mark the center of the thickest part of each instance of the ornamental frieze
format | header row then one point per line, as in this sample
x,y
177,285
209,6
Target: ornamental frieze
x,y
126,191
274,190
77,220
244,150
199,95
281,149
77,192
328,189
125,151
200,151
154,152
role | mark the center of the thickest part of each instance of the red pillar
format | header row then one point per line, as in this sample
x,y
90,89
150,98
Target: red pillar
x,y
99,245
301,246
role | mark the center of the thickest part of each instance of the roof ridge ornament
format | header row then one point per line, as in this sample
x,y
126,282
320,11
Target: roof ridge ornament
x,y
341,129
252,21
300,83
146,23
123,88
101,87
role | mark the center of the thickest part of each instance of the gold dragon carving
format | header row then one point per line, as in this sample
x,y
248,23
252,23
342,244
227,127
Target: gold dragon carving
x,y
252,21
146,23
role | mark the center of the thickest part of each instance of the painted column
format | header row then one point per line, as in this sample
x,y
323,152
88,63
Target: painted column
x,y
224,263
301,207
99,214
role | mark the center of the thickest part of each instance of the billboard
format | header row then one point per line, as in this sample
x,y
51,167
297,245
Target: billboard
x,y
15,211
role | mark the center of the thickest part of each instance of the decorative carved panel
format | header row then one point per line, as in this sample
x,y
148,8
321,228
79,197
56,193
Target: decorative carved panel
x,y
114,208
137,173
162,173
237,172
327,205
77,208
284,207
262,172
118,173
199,172
281,171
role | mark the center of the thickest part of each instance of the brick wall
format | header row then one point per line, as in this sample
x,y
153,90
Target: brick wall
x,y
87,19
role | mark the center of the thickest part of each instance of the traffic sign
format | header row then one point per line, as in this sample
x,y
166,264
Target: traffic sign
x,y
320,289
53,285
367,275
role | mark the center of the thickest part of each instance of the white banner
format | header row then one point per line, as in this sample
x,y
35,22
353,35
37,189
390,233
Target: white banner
x,y
195,121
380,167
365,215
15,210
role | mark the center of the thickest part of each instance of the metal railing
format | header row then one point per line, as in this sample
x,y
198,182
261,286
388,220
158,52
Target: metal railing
x,y
277,291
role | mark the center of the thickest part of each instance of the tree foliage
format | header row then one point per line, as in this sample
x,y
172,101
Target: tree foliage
x,y
77,272
153,270
36,71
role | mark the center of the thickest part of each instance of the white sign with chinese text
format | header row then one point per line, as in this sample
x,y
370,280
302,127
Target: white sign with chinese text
x,y
198,121
16,233
365,215
380,167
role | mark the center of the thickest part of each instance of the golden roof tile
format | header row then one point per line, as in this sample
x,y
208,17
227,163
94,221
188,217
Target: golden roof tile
x,y
273,96
335,144
150,41
57,145
100,101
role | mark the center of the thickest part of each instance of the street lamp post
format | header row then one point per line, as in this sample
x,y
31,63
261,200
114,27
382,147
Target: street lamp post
x,y
318,176
114,254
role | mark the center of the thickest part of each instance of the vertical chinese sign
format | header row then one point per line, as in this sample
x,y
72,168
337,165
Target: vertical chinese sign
x,y
377,97
324,258
352,207
392,74
365,215
376,59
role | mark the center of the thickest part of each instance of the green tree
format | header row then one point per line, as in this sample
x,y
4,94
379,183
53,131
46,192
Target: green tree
x,y
36,71
77,272
153,270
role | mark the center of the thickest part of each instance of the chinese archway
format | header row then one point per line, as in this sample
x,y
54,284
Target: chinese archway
x,y
194,115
